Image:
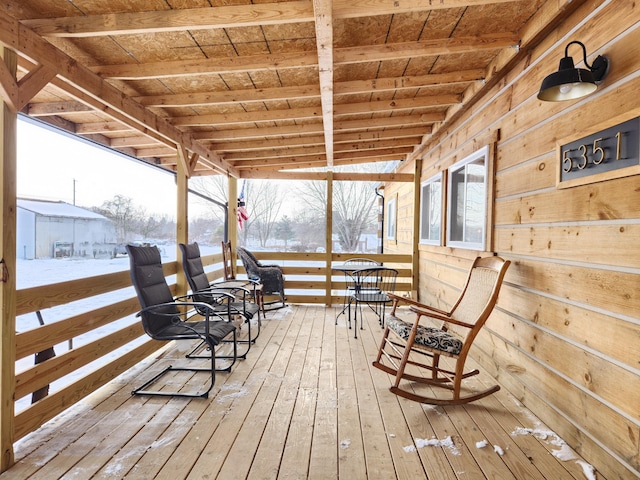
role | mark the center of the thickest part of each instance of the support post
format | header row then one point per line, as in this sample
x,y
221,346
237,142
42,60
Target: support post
x,y
232,187
8,178
329,235
415,260
182,223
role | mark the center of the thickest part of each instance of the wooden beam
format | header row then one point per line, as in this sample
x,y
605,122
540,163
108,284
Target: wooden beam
x,y
316,112
317,149
174,20
8,176
341,56
8,88
243,145
337,176
423,120
56,108
324,45
34,81
310,91
229,16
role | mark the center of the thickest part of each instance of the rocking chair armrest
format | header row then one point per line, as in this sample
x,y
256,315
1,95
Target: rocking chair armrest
x,y
414,303
436,315
461,323
444,318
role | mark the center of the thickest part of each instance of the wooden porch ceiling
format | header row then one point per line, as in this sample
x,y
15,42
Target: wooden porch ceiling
x,y
225,86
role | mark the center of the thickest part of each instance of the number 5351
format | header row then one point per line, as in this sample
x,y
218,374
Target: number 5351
x,y
590,154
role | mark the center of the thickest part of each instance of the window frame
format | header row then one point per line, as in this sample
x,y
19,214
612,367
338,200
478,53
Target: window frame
x,y
438,178
452,213
392,218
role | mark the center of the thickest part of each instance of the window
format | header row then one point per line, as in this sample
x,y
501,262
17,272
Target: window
x,y
391,219
467,201
431,210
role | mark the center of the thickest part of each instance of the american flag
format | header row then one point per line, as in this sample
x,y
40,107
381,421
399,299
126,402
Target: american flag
x,y
243,215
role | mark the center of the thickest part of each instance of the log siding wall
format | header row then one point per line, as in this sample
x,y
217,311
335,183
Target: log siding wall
x,y
565,337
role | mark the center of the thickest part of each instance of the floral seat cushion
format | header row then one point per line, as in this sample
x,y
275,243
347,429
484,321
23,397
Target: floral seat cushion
x,y
431,338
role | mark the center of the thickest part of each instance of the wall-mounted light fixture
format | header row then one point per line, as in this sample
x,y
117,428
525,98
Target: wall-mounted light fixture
x,y
569,83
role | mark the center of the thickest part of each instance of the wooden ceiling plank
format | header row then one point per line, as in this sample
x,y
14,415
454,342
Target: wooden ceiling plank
x,y
229,16
309,91
243,145
341,56
135,142
56,108
365,8
218,66
229,96
409,82
372,124
174,20
425,48
307,150
316,112
251,133
266,171
297,156
101,127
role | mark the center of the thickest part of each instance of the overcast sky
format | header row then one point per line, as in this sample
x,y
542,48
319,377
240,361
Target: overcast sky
x,y
48,163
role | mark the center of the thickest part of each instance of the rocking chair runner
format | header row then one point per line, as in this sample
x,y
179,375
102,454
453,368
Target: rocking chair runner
x,y
165,318
405,344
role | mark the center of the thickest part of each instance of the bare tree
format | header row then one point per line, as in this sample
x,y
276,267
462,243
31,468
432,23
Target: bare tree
x,y
124,214
214,187
353,208
264,201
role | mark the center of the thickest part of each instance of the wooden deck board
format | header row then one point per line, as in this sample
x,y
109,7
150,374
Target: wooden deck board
x,y
306,403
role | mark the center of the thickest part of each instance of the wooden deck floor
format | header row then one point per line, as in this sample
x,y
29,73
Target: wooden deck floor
x,y
306,403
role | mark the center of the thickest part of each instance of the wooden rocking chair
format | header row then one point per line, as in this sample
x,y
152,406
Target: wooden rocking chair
x,y
408,343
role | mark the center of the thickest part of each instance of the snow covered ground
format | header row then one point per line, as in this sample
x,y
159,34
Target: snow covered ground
x,y
31,273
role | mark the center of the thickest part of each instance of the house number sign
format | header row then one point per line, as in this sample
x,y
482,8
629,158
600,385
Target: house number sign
x,y
601,154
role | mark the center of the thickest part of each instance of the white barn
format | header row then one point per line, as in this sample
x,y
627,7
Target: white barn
x,y
58,229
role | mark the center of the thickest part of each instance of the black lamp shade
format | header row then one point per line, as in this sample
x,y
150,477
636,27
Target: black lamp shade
x,y
568,83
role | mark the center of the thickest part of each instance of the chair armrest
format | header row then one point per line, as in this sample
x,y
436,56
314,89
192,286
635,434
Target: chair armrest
x,y
414,303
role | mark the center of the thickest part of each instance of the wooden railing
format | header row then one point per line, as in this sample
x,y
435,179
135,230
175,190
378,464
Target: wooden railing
x,y
309,280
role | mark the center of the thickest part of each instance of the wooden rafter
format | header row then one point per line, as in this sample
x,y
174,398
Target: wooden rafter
x,y
229,16
341,56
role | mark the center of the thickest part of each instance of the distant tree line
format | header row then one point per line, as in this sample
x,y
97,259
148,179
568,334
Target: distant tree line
x,y
291,213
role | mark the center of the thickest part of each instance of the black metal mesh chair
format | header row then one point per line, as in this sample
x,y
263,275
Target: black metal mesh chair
x,y
349,267
166,319
239,304
371,286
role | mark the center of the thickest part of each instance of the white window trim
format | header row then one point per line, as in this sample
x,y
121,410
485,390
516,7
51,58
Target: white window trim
x,y
481,246
392,216
434,179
